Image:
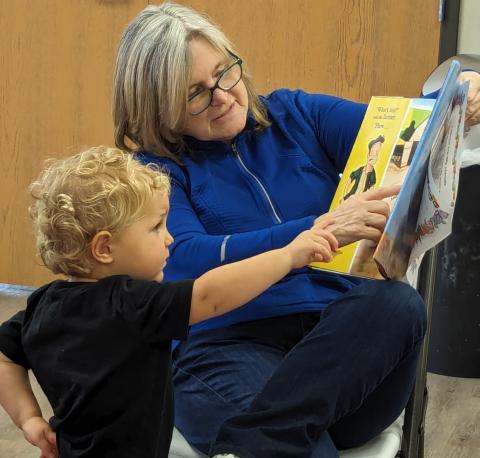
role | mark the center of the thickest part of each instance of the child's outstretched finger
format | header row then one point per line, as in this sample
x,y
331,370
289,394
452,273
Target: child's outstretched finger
x,y
327,237
331,239
322,252
321,257
324,222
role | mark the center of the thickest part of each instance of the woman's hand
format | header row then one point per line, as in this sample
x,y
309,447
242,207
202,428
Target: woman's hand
x,y
472,114
362,216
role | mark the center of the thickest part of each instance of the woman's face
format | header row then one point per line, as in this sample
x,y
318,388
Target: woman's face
x,y
227,114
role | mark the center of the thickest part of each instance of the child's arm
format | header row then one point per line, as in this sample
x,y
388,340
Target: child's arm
x,y
227,287
18,400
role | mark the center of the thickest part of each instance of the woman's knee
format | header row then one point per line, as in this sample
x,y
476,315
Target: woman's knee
x,y
388,303
409,303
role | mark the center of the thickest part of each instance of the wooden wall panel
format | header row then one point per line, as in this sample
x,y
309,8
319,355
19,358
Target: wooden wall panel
x,y
57,59
351,48
57,62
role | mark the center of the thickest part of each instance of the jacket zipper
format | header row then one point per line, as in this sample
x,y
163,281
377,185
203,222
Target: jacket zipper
x,y
277,218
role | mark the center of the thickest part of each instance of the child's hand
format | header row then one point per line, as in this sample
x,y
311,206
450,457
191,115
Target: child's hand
x,y
316,244
39,433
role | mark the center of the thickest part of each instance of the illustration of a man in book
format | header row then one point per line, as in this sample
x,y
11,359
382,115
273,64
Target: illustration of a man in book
x,y
406,135
408,140
364,177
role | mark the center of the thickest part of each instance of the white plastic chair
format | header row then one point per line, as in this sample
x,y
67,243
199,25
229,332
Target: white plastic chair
x,y
385,445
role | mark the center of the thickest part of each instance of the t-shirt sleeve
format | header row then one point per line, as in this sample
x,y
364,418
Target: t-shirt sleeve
x,y
160,310
11,339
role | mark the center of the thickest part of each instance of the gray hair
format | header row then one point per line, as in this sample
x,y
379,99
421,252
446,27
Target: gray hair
x,y
152,74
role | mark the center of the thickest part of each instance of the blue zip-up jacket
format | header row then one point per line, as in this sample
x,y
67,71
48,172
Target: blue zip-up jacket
x,y
230,202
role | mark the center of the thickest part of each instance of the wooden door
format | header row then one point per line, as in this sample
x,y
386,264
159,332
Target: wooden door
x,y
57,62
351,48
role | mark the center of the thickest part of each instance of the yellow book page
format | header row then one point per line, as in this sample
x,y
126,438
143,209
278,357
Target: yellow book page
x,y
366,167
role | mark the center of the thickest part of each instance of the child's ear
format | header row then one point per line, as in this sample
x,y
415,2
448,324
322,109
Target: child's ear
x,y
100,247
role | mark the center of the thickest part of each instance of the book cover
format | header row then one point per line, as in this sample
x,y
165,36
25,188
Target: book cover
x,y
381,155
423,212
398,139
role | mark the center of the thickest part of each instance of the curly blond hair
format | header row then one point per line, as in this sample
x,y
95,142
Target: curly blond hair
x,y
99,189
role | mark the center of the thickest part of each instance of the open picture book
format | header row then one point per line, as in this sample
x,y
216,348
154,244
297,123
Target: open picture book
x,y
415,143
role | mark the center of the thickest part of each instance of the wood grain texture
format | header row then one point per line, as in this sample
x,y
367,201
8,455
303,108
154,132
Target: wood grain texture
x,y
57,60
453,417
354,49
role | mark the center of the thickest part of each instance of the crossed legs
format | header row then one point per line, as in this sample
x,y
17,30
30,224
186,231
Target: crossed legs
x,y
302,385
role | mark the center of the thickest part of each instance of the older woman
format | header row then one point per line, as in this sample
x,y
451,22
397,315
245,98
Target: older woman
x,y
320,361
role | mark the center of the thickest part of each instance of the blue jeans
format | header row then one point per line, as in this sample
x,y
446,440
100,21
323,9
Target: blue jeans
x,y
302,385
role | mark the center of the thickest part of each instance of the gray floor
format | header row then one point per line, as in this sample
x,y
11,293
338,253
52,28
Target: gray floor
x,y
452,425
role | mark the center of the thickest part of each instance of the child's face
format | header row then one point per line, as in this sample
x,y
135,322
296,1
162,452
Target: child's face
x,y
141,249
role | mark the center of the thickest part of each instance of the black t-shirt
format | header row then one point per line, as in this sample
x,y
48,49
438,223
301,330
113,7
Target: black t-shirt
x,y
101,352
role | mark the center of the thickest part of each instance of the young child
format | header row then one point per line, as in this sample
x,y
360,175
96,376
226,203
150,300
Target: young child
x,y
99,343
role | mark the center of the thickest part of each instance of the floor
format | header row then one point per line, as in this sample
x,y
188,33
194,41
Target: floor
x,y
452,424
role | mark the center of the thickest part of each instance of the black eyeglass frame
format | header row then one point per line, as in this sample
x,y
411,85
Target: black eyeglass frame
x,y
238,61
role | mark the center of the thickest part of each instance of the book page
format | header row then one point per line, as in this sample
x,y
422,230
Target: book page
x,y
440,191
414,124
400,236
366,167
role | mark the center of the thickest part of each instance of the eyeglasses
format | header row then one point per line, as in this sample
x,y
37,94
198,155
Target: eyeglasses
x,y
228,78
